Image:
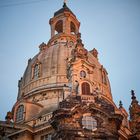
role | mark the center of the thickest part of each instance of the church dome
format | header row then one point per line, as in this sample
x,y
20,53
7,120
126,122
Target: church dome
x,y
62,67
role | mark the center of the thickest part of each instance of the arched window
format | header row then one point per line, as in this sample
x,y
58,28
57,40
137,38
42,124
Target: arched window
x,y
89,122
85,88
36,71
59,27
19,113
73,28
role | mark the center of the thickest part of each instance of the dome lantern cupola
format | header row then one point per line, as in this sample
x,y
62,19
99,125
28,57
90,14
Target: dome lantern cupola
x,y
64,21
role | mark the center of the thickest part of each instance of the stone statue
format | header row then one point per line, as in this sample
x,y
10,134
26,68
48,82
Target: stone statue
x,y
68,69
76,87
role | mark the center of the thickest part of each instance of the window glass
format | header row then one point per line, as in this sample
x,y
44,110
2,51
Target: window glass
x,y
19,113
36,71
85,88
89,122
83,74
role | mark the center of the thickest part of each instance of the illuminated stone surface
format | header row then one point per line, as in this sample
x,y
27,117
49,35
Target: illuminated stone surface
x,y
65,93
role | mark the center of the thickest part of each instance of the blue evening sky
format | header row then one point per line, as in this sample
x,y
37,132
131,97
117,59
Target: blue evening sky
x,y
110,26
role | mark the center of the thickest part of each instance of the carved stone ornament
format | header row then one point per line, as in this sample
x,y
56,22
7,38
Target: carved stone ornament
x,y
80,50
42,46
68,68
44,96
135,115
94,53
67,120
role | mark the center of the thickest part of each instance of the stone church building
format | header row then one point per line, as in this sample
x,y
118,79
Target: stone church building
x,y
65,93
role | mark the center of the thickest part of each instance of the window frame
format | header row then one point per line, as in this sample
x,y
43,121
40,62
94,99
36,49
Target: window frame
x,y
83,74
20,113
85,87
36,70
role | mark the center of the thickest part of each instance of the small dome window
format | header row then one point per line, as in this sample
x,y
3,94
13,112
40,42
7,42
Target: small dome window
x,y
19,113
89,122
36,71
73,28
59,27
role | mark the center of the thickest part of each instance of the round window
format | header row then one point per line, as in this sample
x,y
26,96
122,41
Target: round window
x,y
89,122
83,74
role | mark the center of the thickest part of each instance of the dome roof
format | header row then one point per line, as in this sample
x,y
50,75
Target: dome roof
x,y
52,59
53,70
63,9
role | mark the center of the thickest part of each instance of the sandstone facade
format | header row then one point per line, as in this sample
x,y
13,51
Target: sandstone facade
x,y
65,93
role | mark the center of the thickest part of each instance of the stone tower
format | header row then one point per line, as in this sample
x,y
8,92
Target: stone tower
x,y
134,118
65,93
